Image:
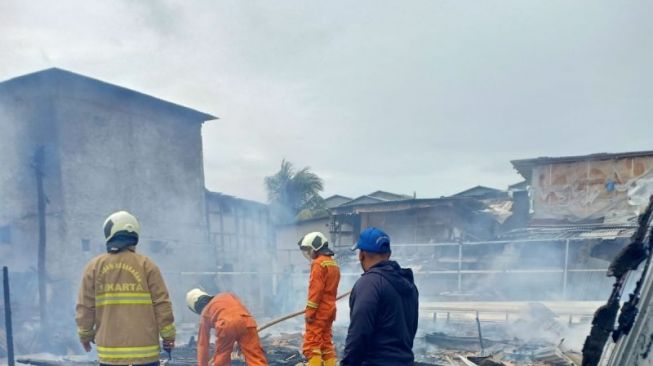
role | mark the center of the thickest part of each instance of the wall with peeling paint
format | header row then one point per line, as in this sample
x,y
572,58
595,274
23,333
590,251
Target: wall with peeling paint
x,y
615,189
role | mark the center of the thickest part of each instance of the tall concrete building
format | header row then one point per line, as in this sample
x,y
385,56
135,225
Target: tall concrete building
x,y
105,148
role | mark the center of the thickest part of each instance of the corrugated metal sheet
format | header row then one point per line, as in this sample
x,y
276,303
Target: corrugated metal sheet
x,y
605,232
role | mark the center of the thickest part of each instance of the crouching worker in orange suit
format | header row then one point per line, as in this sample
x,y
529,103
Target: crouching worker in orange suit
x,y
321,305
232,323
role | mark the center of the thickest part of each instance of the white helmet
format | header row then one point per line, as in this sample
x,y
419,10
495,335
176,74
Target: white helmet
x,y
311,243
121,221
193,298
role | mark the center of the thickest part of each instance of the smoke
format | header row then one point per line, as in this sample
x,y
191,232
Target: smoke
x,y
90,171
208,240
508,275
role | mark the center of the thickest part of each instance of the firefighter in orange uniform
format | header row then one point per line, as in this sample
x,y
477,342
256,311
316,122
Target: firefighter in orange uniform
x,y
321,305
232,323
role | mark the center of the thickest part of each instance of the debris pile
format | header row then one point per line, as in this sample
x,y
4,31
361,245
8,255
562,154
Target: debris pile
x,y
552,356
449,350
281,350
51,360
536,337
455,343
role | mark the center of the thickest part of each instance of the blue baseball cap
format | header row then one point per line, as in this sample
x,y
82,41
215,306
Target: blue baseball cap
x,y
373,240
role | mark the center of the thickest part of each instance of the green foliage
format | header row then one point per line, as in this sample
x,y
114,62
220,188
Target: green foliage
x,y
293,192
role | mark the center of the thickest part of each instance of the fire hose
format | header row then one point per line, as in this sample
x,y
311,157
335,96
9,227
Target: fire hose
x,y
293,315
273,322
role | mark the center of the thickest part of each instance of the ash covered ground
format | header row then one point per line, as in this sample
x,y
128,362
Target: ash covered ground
x,y
535,337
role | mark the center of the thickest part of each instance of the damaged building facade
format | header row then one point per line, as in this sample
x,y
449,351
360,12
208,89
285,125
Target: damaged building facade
x,y
101,148
549,237
597,188
532,257
586,207
426,232
238,228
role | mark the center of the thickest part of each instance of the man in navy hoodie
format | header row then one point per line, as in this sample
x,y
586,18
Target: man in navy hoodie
x,y
383,307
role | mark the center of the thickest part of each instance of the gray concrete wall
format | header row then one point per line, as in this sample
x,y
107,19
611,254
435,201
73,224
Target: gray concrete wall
x,y
26,123
118,155
107,149
143,161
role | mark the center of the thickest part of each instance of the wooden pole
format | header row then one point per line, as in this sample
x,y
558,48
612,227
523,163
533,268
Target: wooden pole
x,y
480,334
8,325
39,159
292,315
565,275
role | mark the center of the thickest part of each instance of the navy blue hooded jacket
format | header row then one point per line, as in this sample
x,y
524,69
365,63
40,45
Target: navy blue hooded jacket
x,y
383,318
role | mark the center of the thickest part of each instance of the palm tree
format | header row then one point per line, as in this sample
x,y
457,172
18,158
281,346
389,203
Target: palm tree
x,y
291,192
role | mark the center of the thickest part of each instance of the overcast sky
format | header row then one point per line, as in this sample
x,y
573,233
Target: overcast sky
x,y
426,96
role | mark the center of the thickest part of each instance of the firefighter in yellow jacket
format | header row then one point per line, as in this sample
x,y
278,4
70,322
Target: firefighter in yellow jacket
x,y
123,303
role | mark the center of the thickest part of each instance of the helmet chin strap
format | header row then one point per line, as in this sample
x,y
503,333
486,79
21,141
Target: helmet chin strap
x,y
201,303
121,241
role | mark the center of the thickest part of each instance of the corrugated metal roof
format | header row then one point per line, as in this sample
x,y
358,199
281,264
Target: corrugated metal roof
x,y
481,191
575,232
470,203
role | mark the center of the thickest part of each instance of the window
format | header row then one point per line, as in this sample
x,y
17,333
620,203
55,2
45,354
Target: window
x,y
86,245
5,234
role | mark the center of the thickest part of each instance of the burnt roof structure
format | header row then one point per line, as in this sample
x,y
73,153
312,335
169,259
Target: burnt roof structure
x,y
365,206
525,166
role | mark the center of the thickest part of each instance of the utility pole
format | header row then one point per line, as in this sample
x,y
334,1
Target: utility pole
x,y
8,325
39,160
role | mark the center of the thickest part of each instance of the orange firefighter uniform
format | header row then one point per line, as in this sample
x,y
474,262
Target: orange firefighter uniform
x,y
232,323
321,308
124,306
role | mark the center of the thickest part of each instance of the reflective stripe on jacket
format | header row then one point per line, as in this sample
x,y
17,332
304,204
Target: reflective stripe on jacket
x,y
124,305
323,288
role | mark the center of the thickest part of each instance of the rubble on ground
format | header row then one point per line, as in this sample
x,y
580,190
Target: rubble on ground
x,y
535,338
435,349
446,344
280,351
445,341
47,359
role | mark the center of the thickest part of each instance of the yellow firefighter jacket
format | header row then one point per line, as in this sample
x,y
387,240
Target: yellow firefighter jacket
x,y
124,306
